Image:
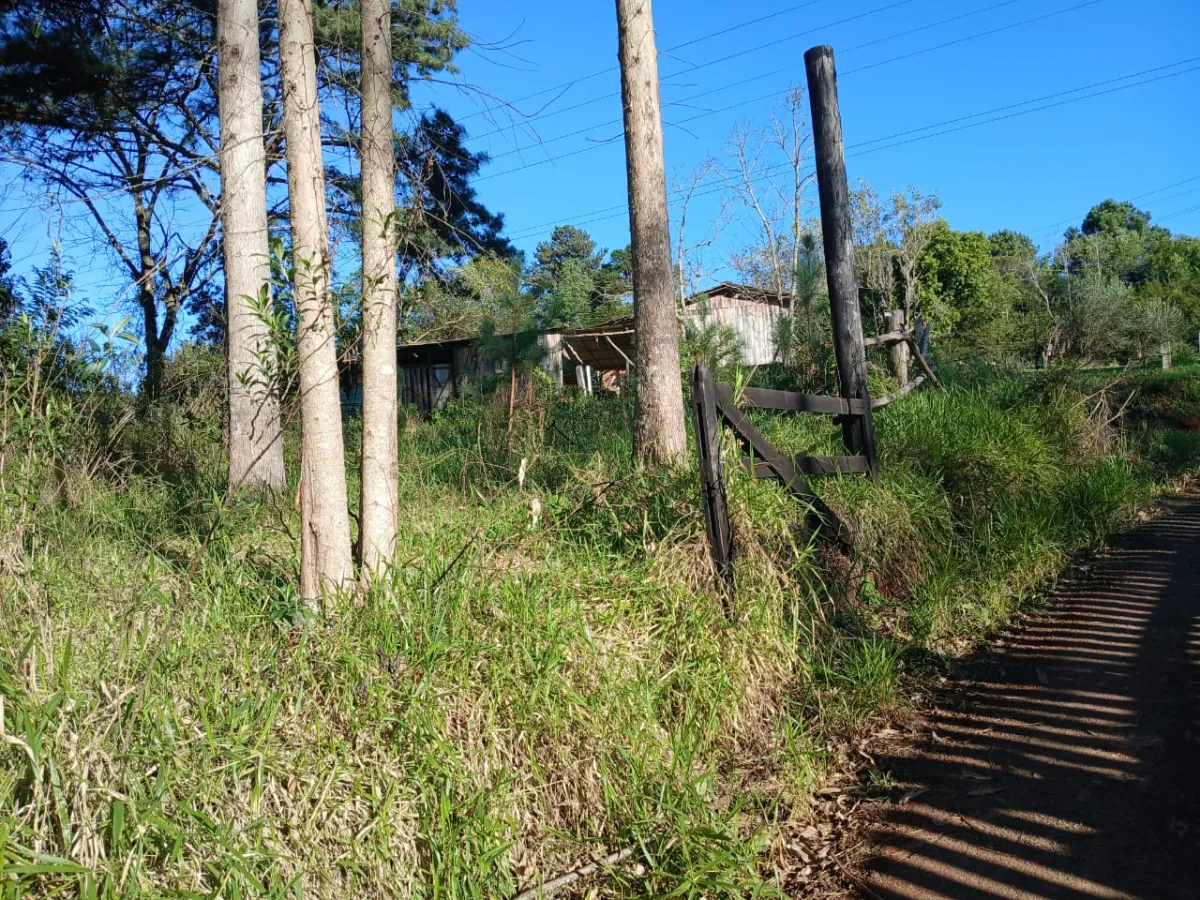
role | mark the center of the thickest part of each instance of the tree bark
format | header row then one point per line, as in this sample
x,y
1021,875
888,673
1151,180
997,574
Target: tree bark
x,y
325,518
380,466
255,433
659,434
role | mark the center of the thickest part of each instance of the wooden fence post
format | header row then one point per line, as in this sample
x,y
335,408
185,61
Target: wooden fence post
x,y
895,322
858,432
1165,350
712,476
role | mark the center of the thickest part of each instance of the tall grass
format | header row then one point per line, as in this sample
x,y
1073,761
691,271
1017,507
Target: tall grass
x,y
548,673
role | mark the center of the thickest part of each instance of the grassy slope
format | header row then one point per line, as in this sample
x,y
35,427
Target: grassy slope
x,y
548,675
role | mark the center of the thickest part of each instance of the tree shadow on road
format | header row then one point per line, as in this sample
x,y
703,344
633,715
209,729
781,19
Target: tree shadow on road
x,y
1068,764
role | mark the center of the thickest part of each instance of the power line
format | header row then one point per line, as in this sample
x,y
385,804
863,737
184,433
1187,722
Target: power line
x,y
963,40
861,146
843,51
742,103
613,215
1061,222
1086,87
1036,109
712,62
1176,196
1181,212
683,101
1055,226
1168,187
564,86
791,37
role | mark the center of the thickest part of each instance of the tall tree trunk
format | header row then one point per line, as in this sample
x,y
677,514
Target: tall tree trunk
x,y
156,353
158,338
325,517
380,467
255,439
659,434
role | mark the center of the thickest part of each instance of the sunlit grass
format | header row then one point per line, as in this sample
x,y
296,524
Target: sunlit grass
x,y
549,673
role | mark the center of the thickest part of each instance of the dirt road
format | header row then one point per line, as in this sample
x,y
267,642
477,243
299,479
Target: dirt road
x,y
1067,762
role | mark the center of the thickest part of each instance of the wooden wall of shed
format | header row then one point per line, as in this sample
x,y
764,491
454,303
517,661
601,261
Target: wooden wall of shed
x,y
753,322
468,369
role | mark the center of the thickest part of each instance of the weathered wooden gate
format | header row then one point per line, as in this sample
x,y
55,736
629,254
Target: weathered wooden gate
x,y
714,405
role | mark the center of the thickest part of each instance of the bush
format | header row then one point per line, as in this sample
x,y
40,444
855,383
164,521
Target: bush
x,y
183,434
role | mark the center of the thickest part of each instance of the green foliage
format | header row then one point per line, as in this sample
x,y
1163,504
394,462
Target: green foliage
x,y
548,673
1173,274
801,336
49,386
1114,290
174,437
1151,323
1094,315
570,303
1110,217
955,272
891,236
575,282
9,301
568,245
1103,319
441,217
59,68
425,39
1008,244
509,336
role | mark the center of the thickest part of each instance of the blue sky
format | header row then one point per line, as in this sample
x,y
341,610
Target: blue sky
x,y
1028,172
1036,173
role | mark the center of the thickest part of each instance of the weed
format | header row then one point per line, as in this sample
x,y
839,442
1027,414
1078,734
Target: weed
x,y
532,685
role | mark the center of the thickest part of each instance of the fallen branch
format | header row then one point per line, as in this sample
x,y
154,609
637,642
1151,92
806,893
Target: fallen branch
x,y
555,885
1124,406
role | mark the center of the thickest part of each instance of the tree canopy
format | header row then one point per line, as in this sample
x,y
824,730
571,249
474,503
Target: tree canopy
x,y
110,107
577,282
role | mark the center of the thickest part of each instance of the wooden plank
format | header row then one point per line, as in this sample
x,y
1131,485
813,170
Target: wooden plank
x,y
628,361
892,398
813,465
788,401
753,439
712,476
888,337
833,465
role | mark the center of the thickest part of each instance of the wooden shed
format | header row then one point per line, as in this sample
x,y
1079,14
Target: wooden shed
x,y
752,313
597,357
590,358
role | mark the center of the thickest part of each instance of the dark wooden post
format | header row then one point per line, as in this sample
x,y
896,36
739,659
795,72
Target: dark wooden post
x,y
858,432
712,477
